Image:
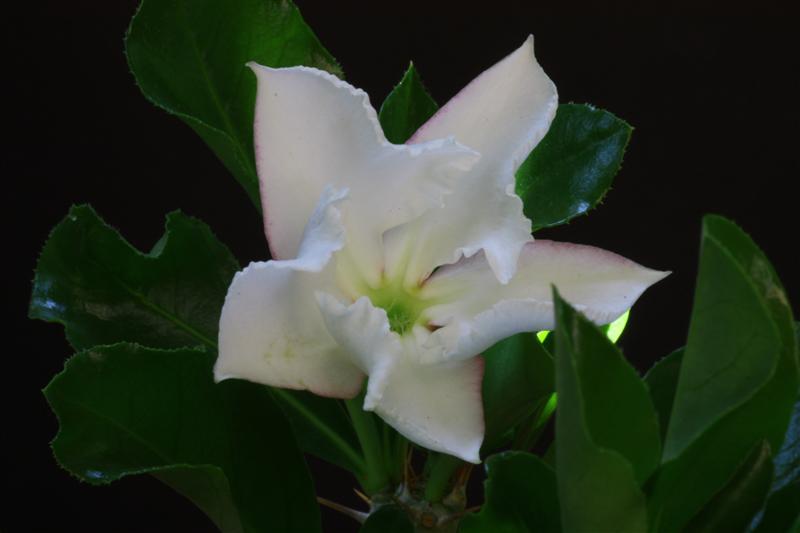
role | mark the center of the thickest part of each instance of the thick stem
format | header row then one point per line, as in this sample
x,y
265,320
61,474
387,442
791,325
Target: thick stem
x,y
376,478
440,475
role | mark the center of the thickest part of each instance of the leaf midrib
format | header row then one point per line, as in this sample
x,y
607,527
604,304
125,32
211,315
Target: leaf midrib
x,y
226,121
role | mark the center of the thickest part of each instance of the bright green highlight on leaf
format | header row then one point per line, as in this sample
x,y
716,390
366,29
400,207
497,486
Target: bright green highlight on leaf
x,y
615,329
188,57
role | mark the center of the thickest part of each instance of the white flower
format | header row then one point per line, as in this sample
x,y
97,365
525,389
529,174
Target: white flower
x,y
404,262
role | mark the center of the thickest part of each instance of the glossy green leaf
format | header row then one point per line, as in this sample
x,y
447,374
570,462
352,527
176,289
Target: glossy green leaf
x,y
733,508
124,409
388,519
606,430
662,380
104,291
520,496
518,377
782,513
571,169
188,57
737,288
407,107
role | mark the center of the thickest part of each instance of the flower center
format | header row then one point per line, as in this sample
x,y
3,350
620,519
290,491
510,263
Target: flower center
x,y
403,307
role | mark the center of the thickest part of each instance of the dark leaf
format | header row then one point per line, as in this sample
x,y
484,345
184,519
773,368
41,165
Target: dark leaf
x,y
661,380
124,409
104,291
734,507
388,519
571,169
406,108
606,430
521,496
188,57
518,378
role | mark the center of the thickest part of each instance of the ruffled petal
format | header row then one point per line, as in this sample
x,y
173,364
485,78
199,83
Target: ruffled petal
x,y
481,311
437,406
502,114
271,332
313,130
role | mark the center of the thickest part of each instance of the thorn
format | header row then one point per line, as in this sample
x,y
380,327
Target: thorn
x,y
363,497
358,516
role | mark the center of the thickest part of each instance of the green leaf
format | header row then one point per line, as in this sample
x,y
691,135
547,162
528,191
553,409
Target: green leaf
x,y
388,519
615,404
407,107
521,496
732,349
571,169
105,291
188,57
782,513
733,508
661,380
518,378
737,290
322,428
124,409
606,430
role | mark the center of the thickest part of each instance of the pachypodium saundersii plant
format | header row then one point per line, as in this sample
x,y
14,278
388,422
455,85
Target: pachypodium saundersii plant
x,y
405,283
416,257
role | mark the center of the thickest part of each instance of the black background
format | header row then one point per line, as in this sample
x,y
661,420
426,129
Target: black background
x,y
714,103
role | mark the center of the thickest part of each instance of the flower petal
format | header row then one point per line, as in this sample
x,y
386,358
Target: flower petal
x,y
437,406
481,311
502,114
313,130
309,129
271,332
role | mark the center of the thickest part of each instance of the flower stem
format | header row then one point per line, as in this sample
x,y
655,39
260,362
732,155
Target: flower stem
x,y
440,474
376,478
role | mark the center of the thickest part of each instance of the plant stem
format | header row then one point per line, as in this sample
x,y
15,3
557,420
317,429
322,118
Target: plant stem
x,y
376,477
440,475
